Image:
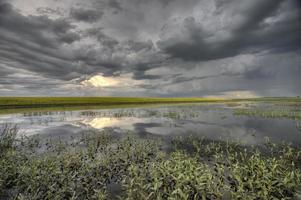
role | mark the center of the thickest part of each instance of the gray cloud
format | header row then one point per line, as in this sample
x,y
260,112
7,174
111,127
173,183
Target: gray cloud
x,y
50,11
86,15
249,34
171,47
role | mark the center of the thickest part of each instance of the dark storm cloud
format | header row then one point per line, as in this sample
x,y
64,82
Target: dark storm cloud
x,y
3,1
35,42
34,28
115,4
5,71
256,14
101,37
140,75
205,47
112,56
249,35
86,15
177,79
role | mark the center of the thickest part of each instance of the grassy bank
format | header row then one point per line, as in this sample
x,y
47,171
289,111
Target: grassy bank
x,y
23,102
29,102
99,166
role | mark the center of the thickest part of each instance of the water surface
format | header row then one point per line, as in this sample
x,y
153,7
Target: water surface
x,y
211,121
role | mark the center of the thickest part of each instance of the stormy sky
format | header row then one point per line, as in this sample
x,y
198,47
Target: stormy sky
x,y
227,48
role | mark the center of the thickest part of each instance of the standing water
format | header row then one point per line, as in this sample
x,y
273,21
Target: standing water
x,y
210,121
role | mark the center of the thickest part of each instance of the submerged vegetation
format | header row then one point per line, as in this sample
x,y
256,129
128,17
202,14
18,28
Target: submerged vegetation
x,y
96,165
268,113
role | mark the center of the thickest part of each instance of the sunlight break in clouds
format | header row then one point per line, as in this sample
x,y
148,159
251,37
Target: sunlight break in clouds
x,y
100,81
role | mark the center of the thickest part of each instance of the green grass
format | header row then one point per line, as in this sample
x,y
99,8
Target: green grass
x,y
39,104
82,101
23,104
88,166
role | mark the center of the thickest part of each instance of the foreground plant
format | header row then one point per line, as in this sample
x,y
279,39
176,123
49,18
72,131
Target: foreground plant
x,y
98,166
218,170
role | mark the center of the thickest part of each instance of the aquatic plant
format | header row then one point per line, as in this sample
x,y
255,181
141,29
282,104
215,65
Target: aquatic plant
x,y
268,113
7,137
96,165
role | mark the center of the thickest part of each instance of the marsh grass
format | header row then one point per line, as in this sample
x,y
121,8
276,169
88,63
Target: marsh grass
x,y
7,138
298,125
98,166
268,113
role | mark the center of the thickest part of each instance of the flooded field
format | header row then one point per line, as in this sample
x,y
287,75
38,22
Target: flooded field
x,y
248,123
237,150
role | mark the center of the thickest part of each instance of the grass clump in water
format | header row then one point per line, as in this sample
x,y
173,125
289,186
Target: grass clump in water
x,y
7,138
267,113
99,166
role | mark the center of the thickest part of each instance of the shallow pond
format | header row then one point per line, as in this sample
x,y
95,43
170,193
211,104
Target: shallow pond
x,y
211,121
